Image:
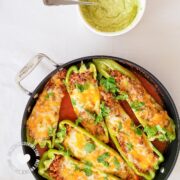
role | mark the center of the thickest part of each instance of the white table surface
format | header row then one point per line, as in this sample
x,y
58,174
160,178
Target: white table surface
x,y
27,27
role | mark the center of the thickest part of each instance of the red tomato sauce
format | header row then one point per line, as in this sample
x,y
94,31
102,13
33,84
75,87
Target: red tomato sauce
x,y
66,110
40,150
150,88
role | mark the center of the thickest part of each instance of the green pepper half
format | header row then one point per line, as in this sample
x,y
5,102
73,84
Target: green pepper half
x,y
129,139
58,164
84,93
85,147
156,122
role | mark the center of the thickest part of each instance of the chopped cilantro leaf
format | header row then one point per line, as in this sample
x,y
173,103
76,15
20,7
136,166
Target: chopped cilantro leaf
x,y
79,120
67,153
88,164
123,96
49,94
105,163
76,167
132,124
82,87
116,163
104,111
102,159
120,126
87,168
150,131
156,131
98,118
89,147
129,146
88,171
73,102
110,85
136,105
105,178
138,131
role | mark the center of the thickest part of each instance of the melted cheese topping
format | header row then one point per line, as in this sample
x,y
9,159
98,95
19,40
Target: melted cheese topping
x,y
45,114
89,99
134,147
68,171
76,141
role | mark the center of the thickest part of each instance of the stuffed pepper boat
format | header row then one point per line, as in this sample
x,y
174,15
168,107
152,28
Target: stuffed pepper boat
x,y
129,139
83,89
58,165
154,119
43,120
85,147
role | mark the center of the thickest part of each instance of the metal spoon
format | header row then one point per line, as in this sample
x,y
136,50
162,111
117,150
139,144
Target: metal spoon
x,y
66,2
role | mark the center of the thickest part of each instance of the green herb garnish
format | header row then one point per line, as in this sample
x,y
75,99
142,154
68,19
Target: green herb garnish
x,y
104,111
67,153
89,147
106,178
49,94
150,131
129,146
87,168
109,85
116,163
156,131
102,159
136,105
123,96
73,102
76,167
120,126
78,121
80,87
138,130
98,118
105,163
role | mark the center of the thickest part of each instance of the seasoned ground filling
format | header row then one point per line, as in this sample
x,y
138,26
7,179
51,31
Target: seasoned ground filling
x,y
81,78
53,170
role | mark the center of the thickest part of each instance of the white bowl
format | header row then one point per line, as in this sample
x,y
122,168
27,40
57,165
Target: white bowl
x,y
142,6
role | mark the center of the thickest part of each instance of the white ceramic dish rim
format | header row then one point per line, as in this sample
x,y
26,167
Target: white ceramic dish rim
x,y
142,4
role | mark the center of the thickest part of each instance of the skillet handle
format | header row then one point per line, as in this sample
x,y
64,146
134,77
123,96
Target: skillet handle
x,y
29,67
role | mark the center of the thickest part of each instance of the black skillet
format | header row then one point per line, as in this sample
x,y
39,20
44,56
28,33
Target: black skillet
x,y
171,153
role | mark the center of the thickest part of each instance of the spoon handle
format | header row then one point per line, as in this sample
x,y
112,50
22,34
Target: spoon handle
x,y
66,2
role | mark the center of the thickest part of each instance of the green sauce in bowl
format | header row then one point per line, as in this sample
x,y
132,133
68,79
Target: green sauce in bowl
x,y
110,15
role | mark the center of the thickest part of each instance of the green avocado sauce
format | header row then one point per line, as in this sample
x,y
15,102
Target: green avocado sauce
x,y
110,15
